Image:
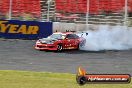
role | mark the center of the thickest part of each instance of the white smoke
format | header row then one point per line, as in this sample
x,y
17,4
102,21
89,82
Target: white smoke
x,y
108,38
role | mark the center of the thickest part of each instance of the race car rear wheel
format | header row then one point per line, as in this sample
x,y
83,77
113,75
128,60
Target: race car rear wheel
x,y
59,47
82,43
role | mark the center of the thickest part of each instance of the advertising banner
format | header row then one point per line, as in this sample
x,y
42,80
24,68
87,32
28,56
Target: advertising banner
x,y
24,29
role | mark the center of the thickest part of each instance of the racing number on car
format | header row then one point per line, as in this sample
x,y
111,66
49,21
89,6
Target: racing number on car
x,y
66,42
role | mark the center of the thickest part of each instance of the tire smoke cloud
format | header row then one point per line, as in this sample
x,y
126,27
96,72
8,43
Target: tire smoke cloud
x,y
108,38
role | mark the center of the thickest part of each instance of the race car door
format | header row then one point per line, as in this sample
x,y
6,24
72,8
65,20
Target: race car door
x,y
76,40
69,41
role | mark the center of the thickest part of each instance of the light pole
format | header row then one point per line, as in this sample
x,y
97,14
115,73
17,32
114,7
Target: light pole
x,y
87,14
126,11
48,2
10,10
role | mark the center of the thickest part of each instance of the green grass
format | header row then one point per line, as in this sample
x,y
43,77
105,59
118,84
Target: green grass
x,y
25,79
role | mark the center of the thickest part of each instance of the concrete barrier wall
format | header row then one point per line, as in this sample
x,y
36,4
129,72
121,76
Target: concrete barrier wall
x,y
63,27
57,26
34,30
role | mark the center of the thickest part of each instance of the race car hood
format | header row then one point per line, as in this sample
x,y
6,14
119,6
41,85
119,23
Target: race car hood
x,y
47,40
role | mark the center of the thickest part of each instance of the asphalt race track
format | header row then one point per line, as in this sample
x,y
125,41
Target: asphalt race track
x,y
20,55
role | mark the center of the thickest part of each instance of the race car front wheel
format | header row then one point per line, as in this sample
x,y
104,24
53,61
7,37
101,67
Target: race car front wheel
x,y
59,47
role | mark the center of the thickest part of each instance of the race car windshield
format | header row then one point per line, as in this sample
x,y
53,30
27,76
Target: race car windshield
x,y
57,36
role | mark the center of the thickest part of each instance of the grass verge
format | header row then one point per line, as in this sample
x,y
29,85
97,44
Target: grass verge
x,y
26,79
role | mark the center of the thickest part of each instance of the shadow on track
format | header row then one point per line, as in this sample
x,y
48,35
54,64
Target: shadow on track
x,y
101,51
86,52
79,51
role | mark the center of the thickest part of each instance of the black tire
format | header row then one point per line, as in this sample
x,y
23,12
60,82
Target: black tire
x,y
59,48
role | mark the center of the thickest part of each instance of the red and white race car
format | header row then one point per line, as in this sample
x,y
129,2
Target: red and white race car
x,y
59,41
